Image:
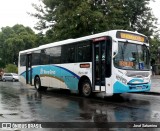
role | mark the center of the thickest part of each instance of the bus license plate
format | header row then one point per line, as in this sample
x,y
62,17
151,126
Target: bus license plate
x,y
139,87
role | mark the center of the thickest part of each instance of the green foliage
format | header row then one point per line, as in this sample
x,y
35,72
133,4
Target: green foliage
x,y
154,44
41,39
14,39
76,18
11,68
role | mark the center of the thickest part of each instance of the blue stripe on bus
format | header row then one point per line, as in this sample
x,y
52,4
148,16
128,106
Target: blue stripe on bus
x,y
69,72
58,67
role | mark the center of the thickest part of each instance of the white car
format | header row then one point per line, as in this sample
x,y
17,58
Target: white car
x,y
10,77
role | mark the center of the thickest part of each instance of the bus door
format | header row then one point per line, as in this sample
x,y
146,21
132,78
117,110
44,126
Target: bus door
x,y
100,68
29,69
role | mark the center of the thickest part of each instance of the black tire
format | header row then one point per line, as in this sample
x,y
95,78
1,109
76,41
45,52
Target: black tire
x,y
13,80
86,89
4,80
37,83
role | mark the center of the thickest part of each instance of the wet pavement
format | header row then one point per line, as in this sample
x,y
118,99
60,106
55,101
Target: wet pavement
x,y
24,104
155,86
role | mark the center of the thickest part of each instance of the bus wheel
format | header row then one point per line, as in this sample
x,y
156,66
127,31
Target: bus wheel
x,y
86,88
37,83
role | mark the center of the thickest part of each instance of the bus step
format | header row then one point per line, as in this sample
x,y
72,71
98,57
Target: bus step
x,y
99,89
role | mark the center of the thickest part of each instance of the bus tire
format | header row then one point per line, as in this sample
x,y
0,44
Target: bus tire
x,y
86,89
37,83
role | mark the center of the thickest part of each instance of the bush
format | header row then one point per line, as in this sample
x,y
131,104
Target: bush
x,y
11,68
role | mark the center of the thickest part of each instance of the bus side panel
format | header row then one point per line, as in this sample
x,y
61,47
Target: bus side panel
x,y
64,76
110,81
22,74
44,71
56,80
83,69
71,73
57,76
47,75
69,76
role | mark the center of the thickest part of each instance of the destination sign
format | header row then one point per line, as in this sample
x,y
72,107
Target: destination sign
x,y
87,65
131,36
126,63
99,39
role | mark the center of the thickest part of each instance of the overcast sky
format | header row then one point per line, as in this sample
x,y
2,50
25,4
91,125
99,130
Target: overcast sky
x,y
156,10
15,12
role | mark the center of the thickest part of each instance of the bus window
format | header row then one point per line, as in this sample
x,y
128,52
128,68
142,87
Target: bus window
x,y
44,57
68,54
55,54
36,57
84,52
23,60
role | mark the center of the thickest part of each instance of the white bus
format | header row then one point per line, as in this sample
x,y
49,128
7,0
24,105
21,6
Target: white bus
x,y
116,61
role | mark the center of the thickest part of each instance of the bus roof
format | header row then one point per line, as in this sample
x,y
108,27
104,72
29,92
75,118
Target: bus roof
x,y
69,41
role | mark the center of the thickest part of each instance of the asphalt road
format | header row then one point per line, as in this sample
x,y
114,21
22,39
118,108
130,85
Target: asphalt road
x,y
155,84
22,104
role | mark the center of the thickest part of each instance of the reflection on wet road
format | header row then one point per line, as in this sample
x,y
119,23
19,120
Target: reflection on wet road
x,y
22,104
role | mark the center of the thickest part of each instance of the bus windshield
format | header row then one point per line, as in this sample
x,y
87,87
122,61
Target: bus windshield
x,y
132,56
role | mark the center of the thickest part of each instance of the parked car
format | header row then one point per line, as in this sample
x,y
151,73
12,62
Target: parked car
x,y
10,77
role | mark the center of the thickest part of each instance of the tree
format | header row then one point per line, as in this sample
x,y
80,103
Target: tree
x,y
11,68
14,39
41,39
71,19
139,16
154,44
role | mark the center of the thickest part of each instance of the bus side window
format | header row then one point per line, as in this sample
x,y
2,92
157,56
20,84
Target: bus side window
x,y
84,52
44,57
36,57
23,60
68,54
55,54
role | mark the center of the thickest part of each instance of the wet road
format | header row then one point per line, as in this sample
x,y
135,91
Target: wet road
x,y
21,104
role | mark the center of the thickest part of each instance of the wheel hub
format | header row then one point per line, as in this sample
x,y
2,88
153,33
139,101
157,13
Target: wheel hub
x,y
86,88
